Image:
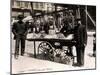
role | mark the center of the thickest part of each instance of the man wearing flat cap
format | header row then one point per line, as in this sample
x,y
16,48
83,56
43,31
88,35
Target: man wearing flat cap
x,y
19,30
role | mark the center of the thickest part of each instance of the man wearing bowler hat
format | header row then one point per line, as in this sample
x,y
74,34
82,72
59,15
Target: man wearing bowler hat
x,y
80,36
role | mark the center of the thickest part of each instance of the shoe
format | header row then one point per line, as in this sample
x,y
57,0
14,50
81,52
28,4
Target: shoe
x,y
77,64
22,54
16,56
94,55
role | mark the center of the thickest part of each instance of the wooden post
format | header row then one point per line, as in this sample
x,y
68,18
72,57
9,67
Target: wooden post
x,y
34,50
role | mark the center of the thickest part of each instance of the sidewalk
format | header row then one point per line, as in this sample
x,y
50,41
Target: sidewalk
x,y
29,64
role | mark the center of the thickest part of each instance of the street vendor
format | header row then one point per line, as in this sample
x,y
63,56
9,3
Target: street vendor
x,y
49,24
19,30
67,30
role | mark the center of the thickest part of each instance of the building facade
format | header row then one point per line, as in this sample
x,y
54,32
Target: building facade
x,y
25,7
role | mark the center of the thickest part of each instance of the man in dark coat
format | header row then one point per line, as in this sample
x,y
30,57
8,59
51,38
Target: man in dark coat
x,y
19,30
67,30
80,36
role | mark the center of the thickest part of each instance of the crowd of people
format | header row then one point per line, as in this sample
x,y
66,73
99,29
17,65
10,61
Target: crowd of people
x,y
20,30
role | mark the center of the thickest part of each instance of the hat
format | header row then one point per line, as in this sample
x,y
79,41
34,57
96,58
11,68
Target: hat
x,y
20,16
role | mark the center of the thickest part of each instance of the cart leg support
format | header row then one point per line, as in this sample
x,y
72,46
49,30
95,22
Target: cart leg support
x,y
34,50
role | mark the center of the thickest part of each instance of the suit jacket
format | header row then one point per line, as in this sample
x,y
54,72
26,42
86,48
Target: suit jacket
x,y
80,35
19,29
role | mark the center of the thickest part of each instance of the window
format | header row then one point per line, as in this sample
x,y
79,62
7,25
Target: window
x,y
26,5
12,2
41,5
18,4
36,5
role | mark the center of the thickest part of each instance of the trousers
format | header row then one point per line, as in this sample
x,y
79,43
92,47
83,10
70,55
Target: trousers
x,y
80,50
19,41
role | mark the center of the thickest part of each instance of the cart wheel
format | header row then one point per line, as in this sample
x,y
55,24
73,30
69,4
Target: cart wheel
x,y
46,51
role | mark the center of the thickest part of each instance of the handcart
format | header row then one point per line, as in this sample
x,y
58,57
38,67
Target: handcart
x,y
50,48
